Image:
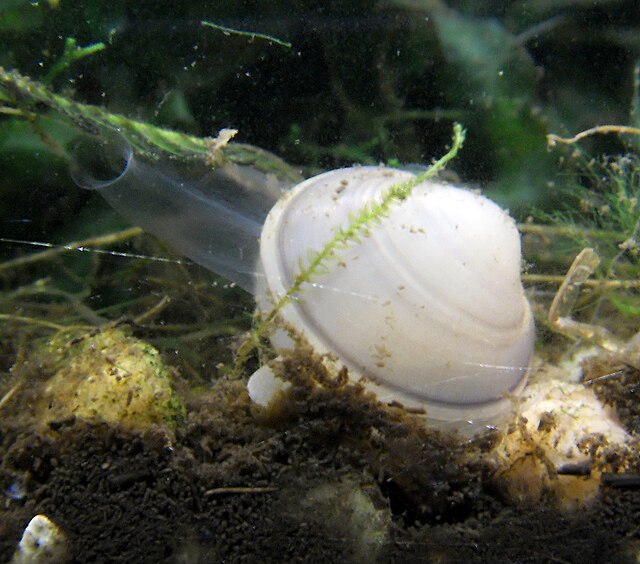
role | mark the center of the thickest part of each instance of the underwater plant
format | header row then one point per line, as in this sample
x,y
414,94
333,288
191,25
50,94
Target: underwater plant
x,y
601,218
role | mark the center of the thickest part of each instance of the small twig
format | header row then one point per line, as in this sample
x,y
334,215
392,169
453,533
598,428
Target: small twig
x,y
567,230
607,284
240,490
10,394
153,311
226,328
540,28
566,297
611,376
43,323
250,34
40,287
553,139
6,110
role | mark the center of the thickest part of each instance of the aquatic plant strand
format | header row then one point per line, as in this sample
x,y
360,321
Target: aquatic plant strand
x,y
140,135
70,55
370,214
250,34
54,250
143,137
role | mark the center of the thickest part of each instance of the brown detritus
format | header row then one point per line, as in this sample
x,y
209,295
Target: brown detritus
x,y
616,383
333,475
548,422
530,476
292,492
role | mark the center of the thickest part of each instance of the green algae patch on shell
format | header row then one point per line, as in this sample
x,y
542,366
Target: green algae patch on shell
x,y
109,376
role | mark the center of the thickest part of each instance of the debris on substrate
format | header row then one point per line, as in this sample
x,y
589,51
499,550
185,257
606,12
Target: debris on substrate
x,y
329,476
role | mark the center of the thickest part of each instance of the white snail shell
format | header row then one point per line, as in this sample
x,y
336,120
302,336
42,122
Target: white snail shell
x,y
428,309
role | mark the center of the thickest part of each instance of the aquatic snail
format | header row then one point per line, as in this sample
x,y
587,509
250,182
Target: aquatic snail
x,y
427,308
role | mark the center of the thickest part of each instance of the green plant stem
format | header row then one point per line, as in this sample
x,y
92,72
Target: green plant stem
x,y
42,323
606,284
568,231
364,219
250,34
369,214
71,54
143,137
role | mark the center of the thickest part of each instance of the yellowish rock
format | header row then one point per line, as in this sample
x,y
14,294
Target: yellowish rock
x,y
112,377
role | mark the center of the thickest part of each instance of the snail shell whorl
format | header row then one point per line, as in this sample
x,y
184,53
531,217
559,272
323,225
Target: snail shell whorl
x,y
428,307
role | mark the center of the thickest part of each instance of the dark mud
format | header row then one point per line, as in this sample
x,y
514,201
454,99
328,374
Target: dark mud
x,y
328,477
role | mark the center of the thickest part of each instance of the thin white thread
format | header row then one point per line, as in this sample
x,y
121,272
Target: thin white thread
x,y
91,250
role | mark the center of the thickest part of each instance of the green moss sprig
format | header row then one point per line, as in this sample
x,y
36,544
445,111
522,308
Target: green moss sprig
x,y
370,214
71,53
